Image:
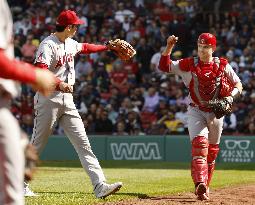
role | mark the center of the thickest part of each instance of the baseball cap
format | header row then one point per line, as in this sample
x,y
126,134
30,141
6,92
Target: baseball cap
x,y
207,39
68,17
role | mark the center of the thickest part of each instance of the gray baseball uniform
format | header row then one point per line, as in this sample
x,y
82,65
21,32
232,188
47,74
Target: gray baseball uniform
x,y
59,107
202,123
11,150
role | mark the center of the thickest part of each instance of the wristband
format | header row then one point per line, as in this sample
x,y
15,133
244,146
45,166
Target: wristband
x,y
235,93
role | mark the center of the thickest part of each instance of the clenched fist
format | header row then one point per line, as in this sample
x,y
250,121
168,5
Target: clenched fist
x,y
65,87
171,41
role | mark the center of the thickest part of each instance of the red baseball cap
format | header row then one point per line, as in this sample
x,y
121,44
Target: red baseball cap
x,y
207,39
68,17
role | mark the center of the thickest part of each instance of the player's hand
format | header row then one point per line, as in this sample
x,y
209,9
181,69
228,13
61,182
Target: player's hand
x,y
65,87
171,41
45,81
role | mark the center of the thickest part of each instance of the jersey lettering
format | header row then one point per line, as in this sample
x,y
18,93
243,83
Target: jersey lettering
x,y
62,60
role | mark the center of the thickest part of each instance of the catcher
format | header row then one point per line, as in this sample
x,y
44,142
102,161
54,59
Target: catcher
x,y
213,87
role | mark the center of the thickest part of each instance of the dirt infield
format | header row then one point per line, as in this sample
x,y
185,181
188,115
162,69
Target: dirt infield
x,y
227,196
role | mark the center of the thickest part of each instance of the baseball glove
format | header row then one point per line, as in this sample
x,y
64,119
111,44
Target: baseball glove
x,y
221,107
121,48
31,159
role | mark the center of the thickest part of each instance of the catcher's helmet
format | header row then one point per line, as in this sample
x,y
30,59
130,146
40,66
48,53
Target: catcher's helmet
x,y
207,39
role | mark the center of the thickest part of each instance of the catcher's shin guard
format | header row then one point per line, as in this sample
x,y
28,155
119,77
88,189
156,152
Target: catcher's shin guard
x,y
213,151
199,167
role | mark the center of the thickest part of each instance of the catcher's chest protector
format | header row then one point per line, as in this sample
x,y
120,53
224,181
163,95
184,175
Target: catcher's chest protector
x,y
208,80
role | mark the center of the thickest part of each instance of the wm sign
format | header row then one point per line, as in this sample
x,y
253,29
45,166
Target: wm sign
x,y
135,151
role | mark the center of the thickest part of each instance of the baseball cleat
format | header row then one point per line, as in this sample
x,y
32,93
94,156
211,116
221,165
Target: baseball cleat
x,y
104,190
201,192
28,192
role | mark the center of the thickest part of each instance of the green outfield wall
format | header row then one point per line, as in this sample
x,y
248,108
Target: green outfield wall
x,y
164,148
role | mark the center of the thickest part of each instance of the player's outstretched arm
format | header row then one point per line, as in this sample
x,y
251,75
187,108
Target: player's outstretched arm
x,y
88,48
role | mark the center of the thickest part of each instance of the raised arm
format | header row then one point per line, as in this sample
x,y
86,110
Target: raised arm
x,y
165,60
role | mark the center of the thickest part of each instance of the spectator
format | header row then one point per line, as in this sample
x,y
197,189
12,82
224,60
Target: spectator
x,y
144,54
28,50
182,115
120,129
132,121
151,100
119,78
103,125
112,114
122,12
83,67
230,124
155,59
101,80
171,122
137,131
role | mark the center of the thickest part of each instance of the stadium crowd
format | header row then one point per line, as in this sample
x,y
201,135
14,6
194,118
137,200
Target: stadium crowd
x,y
132,98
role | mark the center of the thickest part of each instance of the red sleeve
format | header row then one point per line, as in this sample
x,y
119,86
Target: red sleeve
x,y
164,63
186,64
41,65
44,66
16,70
92,48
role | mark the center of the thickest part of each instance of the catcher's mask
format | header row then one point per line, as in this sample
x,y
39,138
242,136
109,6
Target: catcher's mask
x,y
207,39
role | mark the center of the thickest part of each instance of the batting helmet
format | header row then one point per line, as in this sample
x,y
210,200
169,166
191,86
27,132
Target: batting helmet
x,y
207,39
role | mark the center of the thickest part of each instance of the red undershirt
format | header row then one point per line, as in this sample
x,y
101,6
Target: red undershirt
x,y
164,63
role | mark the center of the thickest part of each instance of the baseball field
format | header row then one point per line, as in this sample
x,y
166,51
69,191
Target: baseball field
x,y
145,182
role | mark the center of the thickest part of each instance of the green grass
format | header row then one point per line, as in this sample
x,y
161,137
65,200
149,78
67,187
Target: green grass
x,y
65,183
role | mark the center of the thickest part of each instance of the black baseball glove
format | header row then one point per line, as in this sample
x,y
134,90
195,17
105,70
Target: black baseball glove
x,y
221,107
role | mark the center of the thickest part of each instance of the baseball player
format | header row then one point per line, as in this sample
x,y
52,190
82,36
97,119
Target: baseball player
x,y
207,78
11,148
56,53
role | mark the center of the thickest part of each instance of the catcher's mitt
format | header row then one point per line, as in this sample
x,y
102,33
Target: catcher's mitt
x,y
221,107
121,48
31,159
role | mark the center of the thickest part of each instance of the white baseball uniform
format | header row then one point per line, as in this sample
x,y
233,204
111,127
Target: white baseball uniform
x,y
202,123
60,108
11,150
